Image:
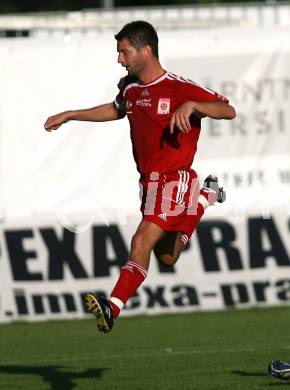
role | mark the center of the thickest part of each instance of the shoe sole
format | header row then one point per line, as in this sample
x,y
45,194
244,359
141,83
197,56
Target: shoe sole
x,y
94,307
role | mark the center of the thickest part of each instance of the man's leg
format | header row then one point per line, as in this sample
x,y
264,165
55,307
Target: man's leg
x,y
131,276
135,271
168,249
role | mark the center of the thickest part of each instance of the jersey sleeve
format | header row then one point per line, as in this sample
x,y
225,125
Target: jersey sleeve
x,y
119,97
120,102
193,91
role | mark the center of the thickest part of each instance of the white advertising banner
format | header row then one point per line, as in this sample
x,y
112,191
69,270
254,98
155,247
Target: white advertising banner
x,y
47,269
69,199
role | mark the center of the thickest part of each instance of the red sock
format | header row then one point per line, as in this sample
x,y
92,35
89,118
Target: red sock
x,y
131,276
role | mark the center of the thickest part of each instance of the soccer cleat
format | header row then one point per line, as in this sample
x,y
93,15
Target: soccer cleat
x,y
279,369
211,182
102,310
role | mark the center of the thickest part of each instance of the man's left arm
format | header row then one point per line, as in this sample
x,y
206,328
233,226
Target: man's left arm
x,y
213,109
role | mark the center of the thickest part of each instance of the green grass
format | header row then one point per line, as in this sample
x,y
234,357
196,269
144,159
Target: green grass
x,y
210,351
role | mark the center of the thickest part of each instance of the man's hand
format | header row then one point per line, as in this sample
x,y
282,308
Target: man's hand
x,y
180,117
216,109
55,121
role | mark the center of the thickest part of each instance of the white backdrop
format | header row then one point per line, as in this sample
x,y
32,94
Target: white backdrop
x,y
83,176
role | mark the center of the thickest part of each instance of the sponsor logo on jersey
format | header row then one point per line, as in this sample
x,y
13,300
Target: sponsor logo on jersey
x,y
144,102
163,106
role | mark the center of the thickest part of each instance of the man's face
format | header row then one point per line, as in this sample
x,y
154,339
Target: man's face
x,y
130,58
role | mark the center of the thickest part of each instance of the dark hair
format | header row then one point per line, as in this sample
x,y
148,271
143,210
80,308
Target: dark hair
x,y
139,34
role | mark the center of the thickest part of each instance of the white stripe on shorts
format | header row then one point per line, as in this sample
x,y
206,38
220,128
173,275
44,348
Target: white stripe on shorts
x,y
182,186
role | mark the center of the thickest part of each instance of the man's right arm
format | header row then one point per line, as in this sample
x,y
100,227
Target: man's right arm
x,y
102,113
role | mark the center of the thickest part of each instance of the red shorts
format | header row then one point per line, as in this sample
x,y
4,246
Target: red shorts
x,y
171,201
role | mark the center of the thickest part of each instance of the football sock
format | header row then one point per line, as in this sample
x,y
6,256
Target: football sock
x,y
131,276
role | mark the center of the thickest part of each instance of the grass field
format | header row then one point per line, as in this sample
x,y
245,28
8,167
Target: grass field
x,y
210,351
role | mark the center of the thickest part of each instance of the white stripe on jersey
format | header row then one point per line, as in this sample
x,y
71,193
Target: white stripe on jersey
x,y
156,81
129,86
172,76
169,76
145,85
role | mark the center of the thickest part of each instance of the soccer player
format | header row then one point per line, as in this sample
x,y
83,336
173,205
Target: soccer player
x,y
164,111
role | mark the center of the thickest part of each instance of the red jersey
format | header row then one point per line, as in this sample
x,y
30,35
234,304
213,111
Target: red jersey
x,y
149,108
